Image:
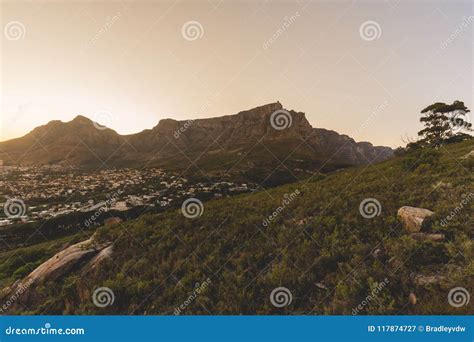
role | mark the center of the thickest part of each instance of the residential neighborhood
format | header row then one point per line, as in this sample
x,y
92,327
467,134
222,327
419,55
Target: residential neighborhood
x,y
29,194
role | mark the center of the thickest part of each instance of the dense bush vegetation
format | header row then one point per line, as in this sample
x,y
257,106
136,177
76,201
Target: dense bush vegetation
x,y
319,247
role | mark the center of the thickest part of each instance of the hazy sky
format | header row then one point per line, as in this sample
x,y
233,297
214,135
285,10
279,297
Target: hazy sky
x,y
130,64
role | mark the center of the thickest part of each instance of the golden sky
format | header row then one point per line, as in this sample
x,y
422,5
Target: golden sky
x,y
362,68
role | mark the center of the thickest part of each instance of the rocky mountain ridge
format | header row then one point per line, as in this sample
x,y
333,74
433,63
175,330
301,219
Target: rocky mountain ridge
x,y
265,136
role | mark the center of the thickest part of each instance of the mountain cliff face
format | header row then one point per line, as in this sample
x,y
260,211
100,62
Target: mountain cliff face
x,y
348,150
262,137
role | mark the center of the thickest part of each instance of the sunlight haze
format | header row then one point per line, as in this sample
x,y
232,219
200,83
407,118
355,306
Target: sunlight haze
x,y
130,59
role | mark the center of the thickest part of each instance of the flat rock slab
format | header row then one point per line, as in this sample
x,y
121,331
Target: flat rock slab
x,y
61,263
427,237
423,280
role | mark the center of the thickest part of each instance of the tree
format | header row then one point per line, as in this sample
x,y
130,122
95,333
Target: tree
x,y
442,121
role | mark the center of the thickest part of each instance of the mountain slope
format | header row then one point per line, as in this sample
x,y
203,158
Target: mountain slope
x,y
76,142
318,245
243,142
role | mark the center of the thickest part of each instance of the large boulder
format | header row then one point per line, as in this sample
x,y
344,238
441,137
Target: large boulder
x,y
413,218
70,259
94,264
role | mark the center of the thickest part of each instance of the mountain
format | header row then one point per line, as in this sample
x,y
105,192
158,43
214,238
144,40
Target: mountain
x,y
315,238
77,142
246,142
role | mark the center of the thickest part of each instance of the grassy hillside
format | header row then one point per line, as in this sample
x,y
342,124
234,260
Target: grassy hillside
x,y
318,245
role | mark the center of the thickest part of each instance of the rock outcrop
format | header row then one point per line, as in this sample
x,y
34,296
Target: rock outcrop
x,y
413,218
94,264
83,255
